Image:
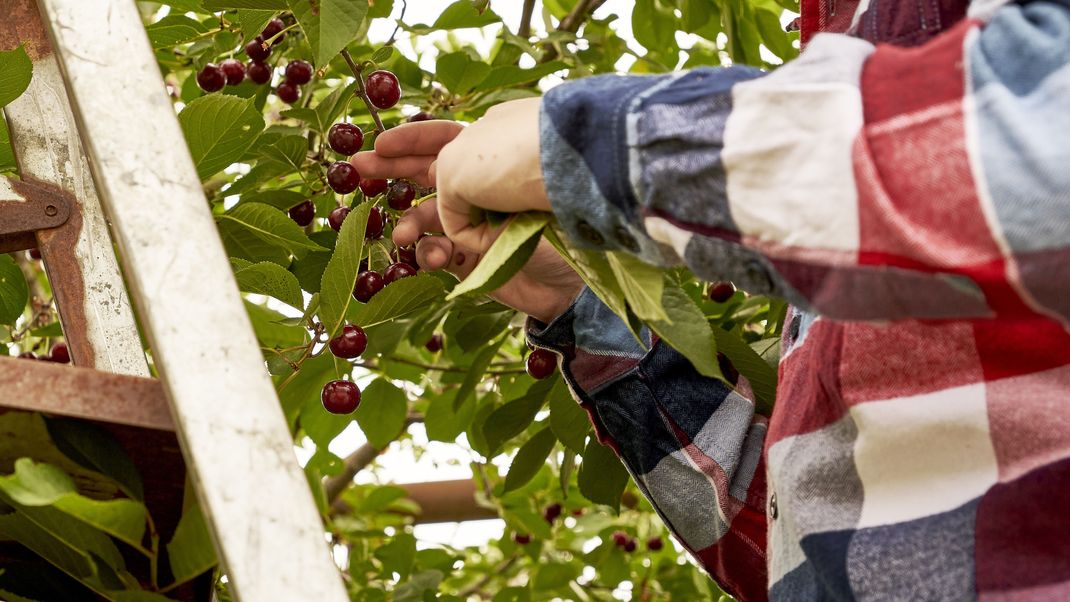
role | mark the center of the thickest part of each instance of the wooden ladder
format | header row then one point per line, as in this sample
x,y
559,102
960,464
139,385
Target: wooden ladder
x,y
97,142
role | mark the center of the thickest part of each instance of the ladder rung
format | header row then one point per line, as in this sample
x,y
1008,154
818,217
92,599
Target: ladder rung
x,y
83,393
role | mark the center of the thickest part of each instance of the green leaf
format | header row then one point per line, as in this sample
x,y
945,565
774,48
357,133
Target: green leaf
x,y
219,128
602,477
568,420
642,285
121,518
190,549
254,21
382,412
653,27
383,54
398,554
773,34
595,271
7,153
217,5
529,459
443,421
511,75
16,70
70,553
35,484
459,72
397,299
510,251
762,376
420,587
279,199
689,332
336,288
14,293
266,278
328,24
552,575
288,151
266,224
94,448
332,105
304,390
514,417
271,328
463,14
174,30
475,372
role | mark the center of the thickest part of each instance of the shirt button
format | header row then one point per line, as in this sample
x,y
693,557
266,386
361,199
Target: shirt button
x,y
589,233
772,507
626,239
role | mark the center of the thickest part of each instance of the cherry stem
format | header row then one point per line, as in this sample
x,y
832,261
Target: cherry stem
x,y
401,360
362,91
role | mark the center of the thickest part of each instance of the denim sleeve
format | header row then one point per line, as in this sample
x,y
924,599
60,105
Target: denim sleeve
x,y
692,444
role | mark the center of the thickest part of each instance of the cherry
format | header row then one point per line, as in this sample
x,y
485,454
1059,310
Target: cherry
x,y
397,271
408,255
541,363
421,116
620,538
35,253
654,544
350,343
288,93
522,538
298,72
383,89
256,50
727,369
342,177
336,217
274,28
400,195
60,354
374,229
234,70
259,72
552,512
303,214
345,138
577,512
721,291
368,284
340,397
434,344
629,546
373,187
211,78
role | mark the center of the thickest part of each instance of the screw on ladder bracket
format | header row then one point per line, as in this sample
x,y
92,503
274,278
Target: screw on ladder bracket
x,y
40,206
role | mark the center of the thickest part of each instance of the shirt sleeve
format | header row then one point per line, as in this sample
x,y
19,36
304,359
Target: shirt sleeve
x,y
860,182
692,445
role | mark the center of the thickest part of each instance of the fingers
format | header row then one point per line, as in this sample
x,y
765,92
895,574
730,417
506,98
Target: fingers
x,y
370,164
420,138
438,253
417,221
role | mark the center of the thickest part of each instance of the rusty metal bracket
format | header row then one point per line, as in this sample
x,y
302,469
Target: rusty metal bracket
x,y
43,206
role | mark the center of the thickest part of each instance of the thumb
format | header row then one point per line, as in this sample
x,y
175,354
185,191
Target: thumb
x,y
439,253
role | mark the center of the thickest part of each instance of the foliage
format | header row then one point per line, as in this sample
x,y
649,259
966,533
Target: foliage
x,y
257,158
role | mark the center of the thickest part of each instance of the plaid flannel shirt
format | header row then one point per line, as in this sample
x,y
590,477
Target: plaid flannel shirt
x,y
907,187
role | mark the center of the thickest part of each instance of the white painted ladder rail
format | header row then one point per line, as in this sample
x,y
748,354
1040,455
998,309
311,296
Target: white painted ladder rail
x,y
234,437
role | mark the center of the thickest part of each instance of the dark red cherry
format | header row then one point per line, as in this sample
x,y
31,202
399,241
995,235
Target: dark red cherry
x,y
35,253
373,187
522,538
654,544
336,217
421,116
397,271
541,363
434,344
629,546
368,284
620,538
234,70
211,78
343,177
60,354
400,195
721,291
298,72
345,138
274,27
383,89
255,50
259,73
374,229
407,255
303,214
349,343
288,93
340,397
552,512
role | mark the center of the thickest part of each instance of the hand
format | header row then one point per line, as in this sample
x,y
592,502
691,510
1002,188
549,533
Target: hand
x,y
418,151
491,165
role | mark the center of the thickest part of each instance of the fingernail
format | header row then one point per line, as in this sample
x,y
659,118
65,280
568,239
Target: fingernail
x,y
459,259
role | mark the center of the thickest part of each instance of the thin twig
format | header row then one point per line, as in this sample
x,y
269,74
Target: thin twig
x,y
485,579
397,25
439,368
362,92
524,31
571,23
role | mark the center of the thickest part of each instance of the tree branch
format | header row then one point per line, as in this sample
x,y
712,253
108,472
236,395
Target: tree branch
x,y
485,579
356,462
571,23
524,31
362,92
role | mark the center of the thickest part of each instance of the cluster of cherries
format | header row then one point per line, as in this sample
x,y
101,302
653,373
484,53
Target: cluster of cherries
x,y
627,543
59,354
232,72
